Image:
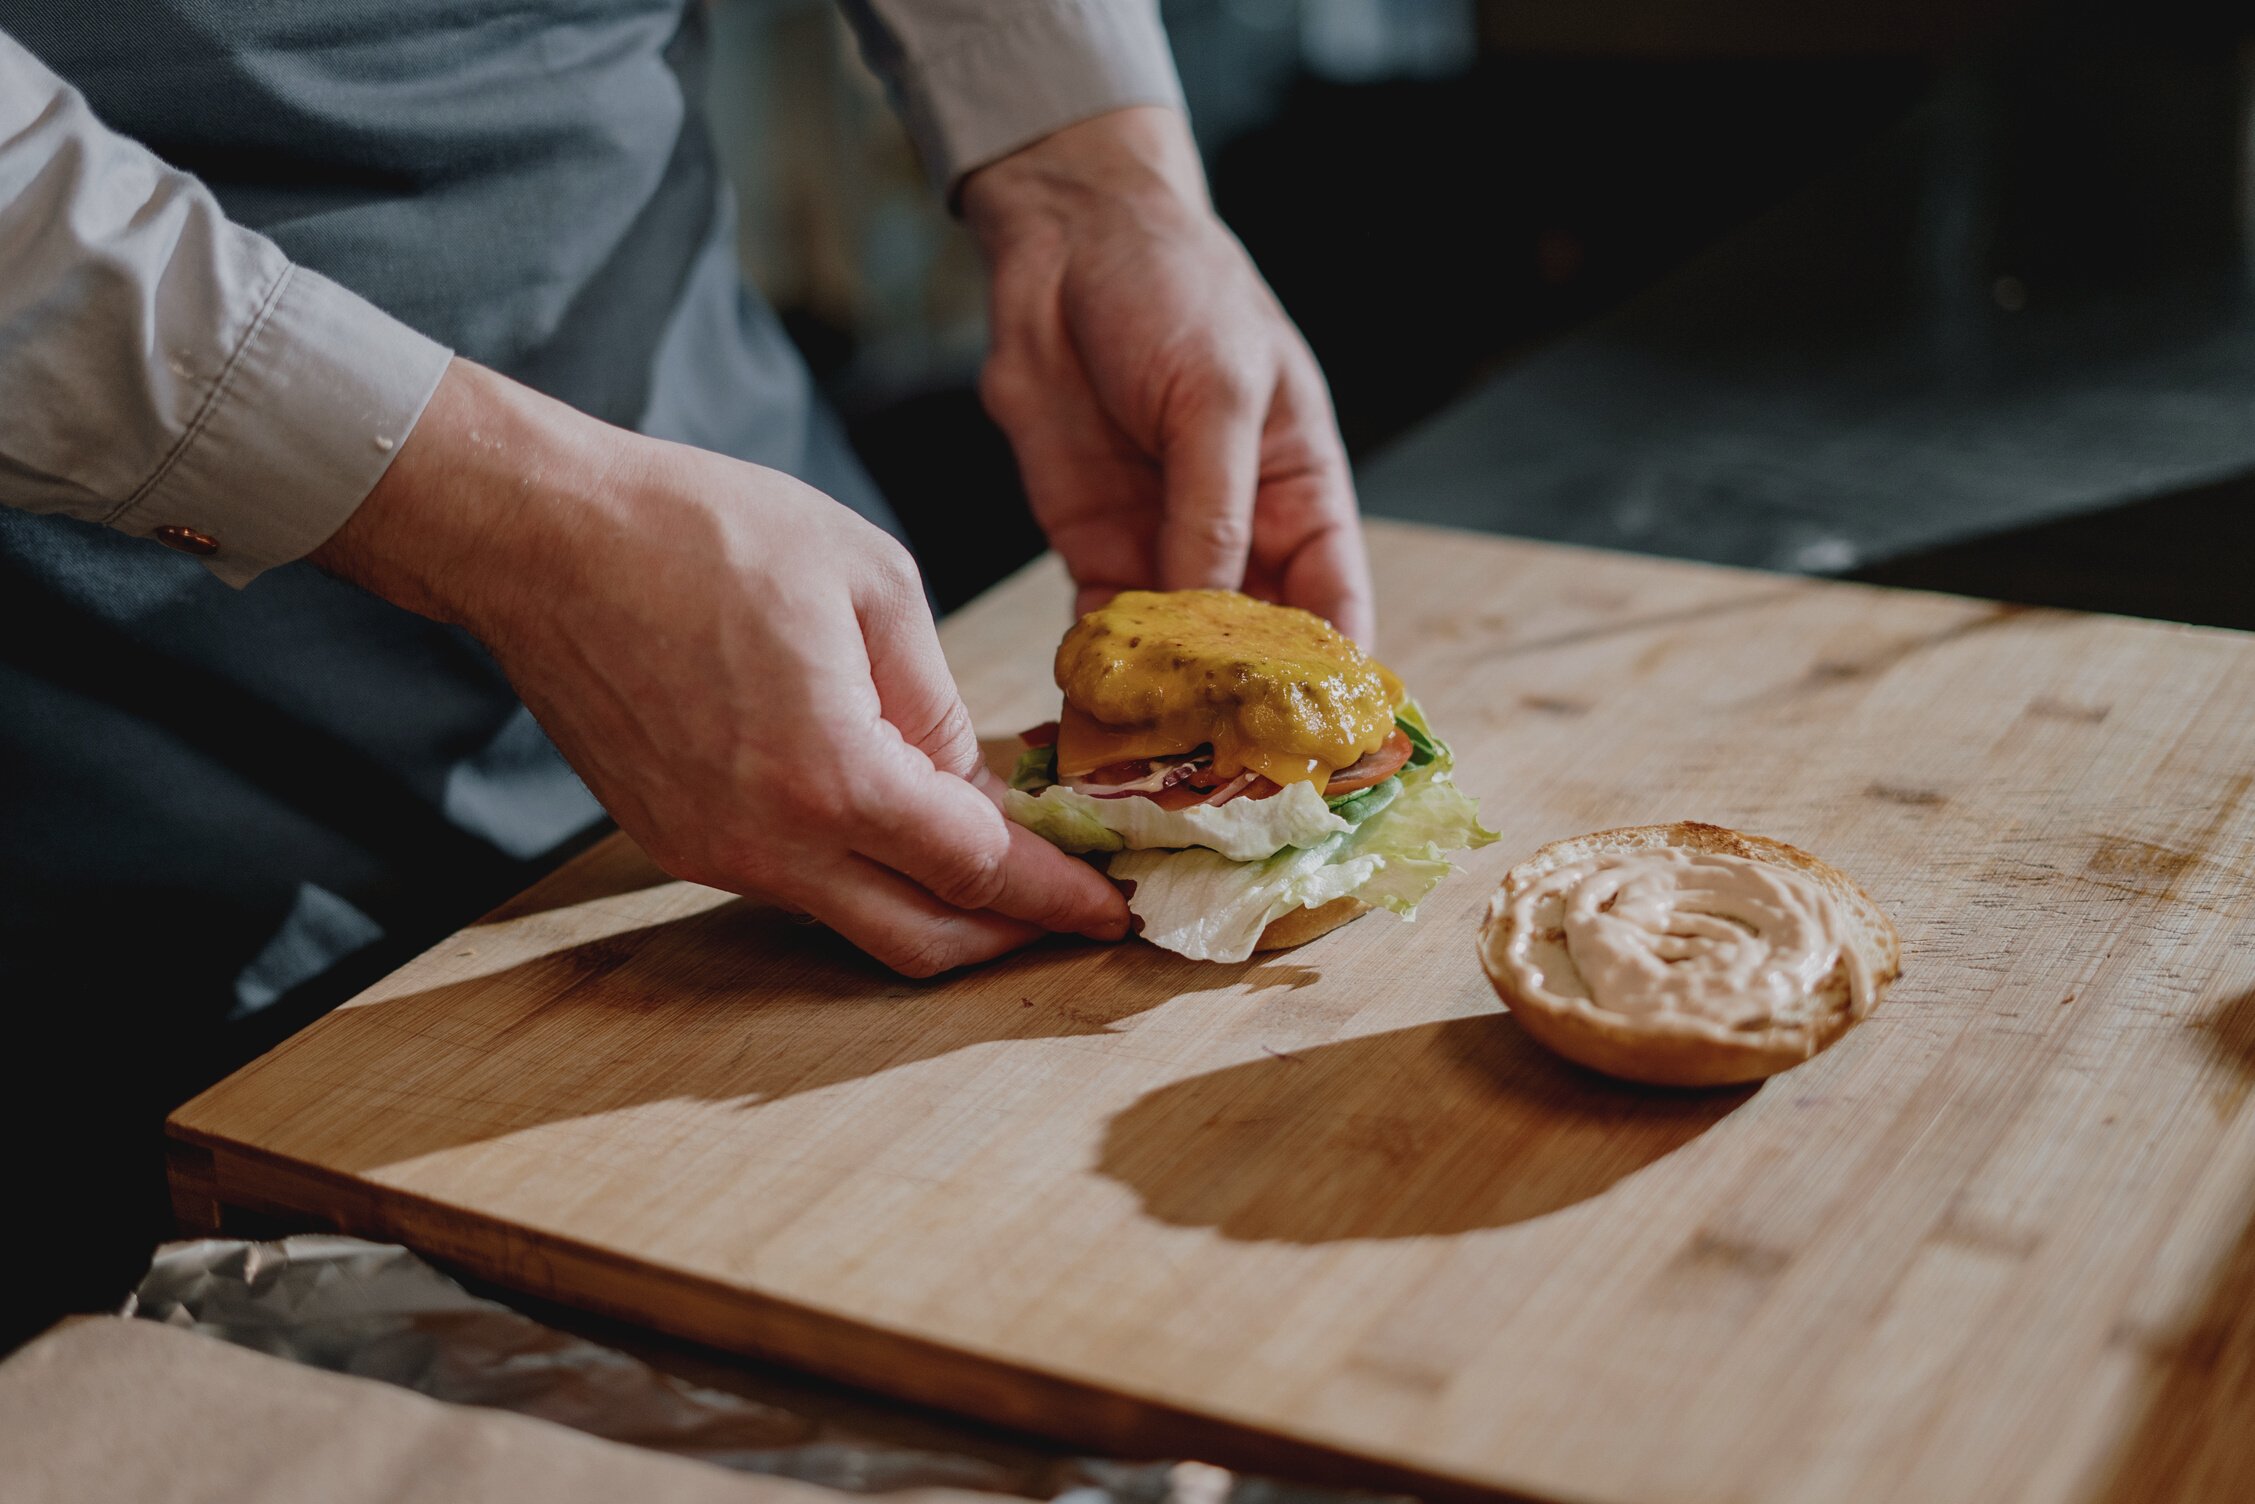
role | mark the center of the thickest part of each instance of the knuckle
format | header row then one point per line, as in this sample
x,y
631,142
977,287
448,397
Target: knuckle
x,y
1215,381
925,952
894,558
935,731
969,878
1236,390
951,740
901,582
1218,530
1006,390
863,795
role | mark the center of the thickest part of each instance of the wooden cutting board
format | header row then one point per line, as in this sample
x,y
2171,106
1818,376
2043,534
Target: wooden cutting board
x,y
1330,1211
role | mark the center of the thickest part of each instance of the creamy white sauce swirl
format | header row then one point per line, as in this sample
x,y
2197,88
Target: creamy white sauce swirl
x,y
1738,943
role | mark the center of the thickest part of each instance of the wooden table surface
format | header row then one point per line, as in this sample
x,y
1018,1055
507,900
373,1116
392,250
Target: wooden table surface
x,y
1329,1211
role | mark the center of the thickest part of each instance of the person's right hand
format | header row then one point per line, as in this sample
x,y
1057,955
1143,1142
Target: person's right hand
x,y
743,671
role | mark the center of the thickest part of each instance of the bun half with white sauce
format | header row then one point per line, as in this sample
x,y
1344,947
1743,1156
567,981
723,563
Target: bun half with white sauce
x,y
1685,954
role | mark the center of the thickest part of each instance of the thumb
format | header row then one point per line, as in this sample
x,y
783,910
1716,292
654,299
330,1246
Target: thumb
x,y
916,692
1210,471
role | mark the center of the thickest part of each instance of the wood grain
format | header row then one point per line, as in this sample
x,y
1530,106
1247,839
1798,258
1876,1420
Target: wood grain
x,y
1330,1211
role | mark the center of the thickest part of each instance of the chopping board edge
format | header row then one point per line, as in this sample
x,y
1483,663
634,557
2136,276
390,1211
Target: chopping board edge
x,y
210,1171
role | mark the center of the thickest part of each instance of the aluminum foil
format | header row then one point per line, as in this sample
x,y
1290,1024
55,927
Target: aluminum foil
x,y
376,1311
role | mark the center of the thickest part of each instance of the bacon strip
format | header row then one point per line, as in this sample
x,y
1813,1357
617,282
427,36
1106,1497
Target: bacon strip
x,y
1147,776
1234,787
1171,782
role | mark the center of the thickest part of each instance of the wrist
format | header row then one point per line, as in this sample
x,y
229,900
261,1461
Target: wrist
x,y
1142,157
483,485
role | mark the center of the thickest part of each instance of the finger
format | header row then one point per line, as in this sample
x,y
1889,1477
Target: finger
x,y
1312,541
916,689
917,806
1209,470
1095,496
943,834
1103,521
904,927
1329,574
990,785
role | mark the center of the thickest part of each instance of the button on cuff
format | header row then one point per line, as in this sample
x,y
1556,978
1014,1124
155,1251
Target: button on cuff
x,y
187,540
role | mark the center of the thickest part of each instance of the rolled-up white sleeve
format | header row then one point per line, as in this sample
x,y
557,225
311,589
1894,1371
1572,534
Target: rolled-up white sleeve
x,y
167,372
977,79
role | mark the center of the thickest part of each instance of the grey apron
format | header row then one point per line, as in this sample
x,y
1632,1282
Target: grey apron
x,y
221,804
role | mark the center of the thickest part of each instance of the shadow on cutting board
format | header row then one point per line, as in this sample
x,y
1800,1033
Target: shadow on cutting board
x,y
1435,1129
1442,1128
2194,1439
736,1004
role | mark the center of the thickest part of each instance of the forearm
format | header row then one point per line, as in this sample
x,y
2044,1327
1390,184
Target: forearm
x,y
481,499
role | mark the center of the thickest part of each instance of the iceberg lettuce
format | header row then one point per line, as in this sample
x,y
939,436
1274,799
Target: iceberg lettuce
x,y
1209,879
1202,905
1242,830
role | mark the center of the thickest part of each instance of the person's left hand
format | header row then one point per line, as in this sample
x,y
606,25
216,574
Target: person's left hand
x,y
1171,426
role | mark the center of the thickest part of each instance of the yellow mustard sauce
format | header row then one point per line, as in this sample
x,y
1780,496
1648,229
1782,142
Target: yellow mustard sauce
x,y
1276,690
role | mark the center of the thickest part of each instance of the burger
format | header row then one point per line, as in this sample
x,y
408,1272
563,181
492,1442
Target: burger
x,y
1248,774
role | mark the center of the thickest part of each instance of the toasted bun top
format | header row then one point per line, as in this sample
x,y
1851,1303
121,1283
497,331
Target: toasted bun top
x,y
1727,958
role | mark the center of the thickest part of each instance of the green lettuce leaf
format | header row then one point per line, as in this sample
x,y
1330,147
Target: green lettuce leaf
x,y
1424,746
1242,830
1360,805
1036,769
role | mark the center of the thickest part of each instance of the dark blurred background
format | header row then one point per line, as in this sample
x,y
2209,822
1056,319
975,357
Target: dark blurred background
x,y
1941,294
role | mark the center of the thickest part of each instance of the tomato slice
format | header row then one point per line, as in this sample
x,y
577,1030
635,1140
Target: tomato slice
x,y
1043,735
1372,769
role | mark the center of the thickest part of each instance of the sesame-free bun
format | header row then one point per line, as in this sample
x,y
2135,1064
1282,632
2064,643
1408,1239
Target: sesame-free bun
x,y
1679,1049
1302,925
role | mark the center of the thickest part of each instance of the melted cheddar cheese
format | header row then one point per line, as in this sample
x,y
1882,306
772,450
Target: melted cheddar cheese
x,y
1274,690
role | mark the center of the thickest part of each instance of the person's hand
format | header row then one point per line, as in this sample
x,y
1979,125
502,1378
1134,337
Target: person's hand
x,y
743,671
1170,424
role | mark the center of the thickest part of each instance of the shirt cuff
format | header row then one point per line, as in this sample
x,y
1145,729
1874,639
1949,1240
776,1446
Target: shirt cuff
x,y
1039,67
297,430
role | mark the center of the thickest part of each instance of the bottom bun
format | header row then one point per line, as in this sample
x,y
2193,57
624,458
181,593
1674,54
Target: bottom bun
x,y
1302,925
